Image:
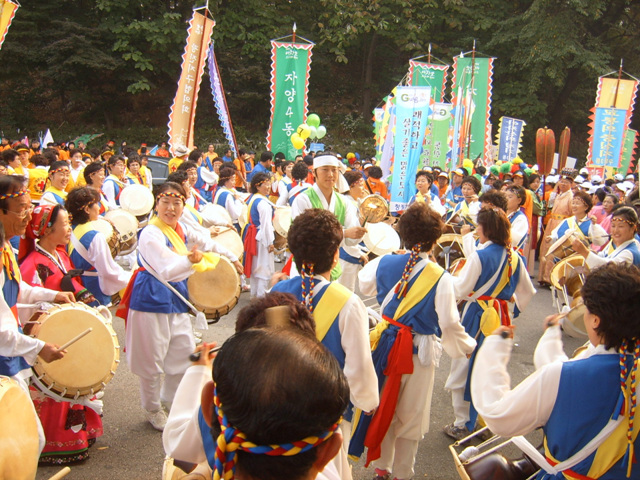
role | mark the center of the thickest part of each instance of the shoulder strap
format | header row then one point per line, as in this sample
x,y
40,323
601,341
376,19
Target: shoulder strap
x,y
329,306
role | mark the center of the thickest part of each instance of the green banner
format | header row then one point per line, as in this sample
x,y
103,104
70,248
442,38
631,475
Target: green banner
x,y
291,63
423,74
436,139
471,90
628,146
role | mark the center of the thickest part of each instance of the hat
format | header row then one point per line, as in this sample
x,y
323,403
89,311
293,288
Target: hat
x,y
443,174
367,165
626,186
579,179
630,177
584,171
553,178
618,177
460,171
428,169
568,173
596,179
181,150
519,173
588,187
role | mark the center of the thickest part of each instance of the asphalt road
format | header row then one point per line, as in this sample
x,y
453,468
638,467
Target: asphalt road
x,y
130,448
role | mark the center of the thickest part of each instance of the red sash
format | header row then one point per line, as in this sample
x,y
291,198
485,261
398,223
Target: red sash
x,y
250,248
123,309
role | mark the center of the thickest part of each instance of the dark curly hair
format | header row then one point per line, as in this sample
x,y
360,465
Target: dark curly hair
x,y
253,315
612,292
225,175
495,226
77,200
519,192
425,174
300,171
257,179
473,182
420,225
495,198
584,198
314,238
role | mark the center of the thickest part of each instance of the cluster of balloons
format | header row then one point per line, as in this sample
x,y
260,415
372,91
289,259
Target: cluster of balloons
x,y
312,129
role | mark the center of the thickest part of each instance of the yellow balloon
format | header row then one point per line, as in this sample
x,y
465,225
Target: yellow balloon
x,y
304,131
296,141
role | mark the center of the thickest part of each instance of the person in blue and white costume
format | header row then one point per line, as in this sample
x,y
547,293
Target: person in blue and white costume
x,y
59,175
342,322
116,180
352,258
284,185
424,184
492,277
418,305
454,192
327,171
583,227
582,404
490,199
516,196
623,247
89,250
299,172
467,209
228,197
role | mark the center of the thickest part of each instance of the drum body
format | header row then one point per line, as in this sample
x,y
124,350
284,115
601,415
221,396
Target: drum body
x,y
281,225
212,214
90,363
19,443
562,248
215,292
110,233
448,249
127,227
567,278
137,200
230,240
456,266
381,238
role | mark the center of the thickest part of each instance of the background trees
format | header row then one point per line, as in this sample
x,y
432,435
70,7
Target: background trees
x,y
112,65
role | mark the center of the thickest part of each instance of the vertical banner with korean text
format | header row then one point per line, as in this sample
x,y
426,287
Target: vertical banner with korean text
x,y
436,143
412,112
423,74
629,145
509,138
220,101
7,12
611,93
472,87
290,67
608,134
183,110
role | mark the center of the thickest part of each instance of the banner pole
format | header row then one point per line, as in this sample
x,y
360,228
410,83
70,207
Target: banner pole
x,y
615,96
473,68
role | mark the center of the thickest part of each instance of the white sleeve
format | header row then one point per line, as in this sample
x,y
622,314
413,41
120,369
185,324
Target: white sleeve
x,y
524,289
455,341
209,177
300,204
549,348
351,219
111,277
283,194
554,233
466,280
468,244
367,281
265,234
595,260
437,206
181,437
358,363
29,294
519,229
201,237
108,190
169,265
234,207
511,412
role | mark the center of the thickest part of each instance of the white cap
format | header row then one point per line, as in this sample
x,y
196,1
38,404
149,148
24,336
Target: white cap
x,y
584,171
630,177
588,187
180,151
627,186
553,171
596,179
579,179
535,167
553,178
618,177
367,165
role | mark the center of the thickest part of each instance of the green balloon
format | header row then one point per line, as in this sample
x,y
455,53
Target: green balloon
x,y
322,131
313,120
314,132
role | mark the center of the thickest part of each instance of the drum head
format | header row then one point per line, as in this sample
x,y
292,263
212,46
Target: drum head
x,y
215,292
212,214
448,249
373,209
126,225
381,238
562,248
569,273
110,234
230,240
19,444
282,221
90,363
573,323
136,199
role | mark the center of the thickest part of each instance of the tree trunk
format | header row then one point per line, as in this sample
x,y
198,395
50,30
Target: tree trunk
x,y
368,75
557,114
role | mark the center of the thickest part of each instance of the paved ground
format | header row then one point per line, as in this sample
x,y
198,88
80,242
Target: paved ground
x,y
130,448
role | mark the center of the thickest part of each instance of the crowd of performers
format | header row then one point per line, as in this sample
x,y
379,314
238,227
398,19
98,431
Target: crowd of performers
x,y
372,385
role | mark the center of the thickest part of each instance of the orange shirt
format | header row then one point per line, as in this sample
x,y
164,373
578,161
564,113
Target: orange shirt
x,y
378,186
162,152
241,174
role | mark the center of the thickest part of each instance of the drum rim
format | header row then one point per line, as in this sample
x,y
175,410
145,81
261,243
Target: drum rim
x,y
212,312
384,226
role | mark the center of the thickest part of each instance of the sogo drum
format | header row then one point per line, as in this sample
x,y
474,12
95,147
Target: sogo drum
x,y
215,292
110,233
126,225
230,239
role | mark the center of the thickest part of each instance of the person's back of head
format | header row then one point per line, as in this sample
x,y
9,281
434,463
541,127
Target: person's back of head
x,y
276,389
300,171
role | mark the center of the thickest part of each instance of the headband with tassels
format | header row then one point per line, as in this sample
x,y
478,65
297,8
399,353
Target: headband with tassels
x,y
632,395
308,284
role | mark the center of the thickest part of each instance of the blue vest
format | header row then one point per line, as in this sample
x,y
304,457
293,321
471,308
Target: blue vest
x,y
523,240
584,227
207,439
116,190
91,283
9,366
221,198
332,340
574,422
635,251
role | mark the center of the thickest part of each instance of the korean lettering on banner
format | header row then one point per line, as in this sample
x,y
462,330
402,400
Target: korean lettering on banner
x,y
436,138
608,136
510,134
412,110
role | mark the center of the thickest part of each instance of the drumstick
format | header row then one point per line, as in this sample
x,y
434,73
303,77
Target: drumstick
x,y
75,339
278,316
62,473
194,357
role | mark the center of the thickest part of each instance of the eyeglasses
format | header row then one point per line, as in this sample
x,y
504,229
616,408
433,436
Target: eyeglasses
x,y
24,213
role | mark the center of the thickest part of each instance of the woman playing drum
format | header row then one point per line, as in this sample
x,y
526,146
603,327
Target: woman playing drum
x,y
69,429
89,250
418,306
516,196
467,210
575,401
227,196
490,278
424,181
623,248
94,176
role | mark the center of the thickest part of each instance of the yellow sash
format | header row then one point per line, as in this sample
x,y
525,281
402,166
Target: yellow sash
x,y
426,280
614,446
490,319
209,259
573,224
80,231
334,299
10,263
194,212
57,191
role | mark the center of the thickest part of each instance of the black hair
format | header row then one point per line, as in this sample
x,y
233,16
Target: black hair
x,y
257,179
314,238
93,167
300,171
77,200
494,197
420,225
266,156
474,182
254,316
10,184
495,226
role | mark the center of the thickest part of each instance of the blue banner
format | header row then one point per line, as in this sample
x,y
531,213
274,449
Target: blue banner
x,y
220,101
509,140
608,133
412,113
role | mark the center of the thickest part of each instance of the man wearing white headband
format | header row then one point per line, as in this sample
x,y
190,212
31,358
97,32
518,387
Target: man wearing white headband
x,y
327,171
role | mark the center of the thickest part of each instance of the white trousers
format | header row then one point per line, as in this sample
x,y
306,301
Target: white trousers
x,y
349,274
456,383
157,344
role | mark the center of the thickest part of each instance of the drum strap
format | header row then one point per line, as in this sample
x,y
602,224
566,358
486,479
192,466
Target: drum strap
x,y
83,253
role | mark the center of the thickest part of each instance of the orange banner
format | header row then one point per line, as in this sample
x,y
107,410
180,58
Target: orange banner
x,y
183,110
626,91
7,11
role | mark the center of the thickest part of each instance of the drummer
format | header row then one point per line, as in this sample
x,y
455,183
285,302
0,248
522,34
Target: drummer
x,y
94,175
59,175
89,249
623,247
516,196
327,171
492,276
424,182
299,172
194,198
115,182
228,197
285,183
466,210
574,400
402,419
